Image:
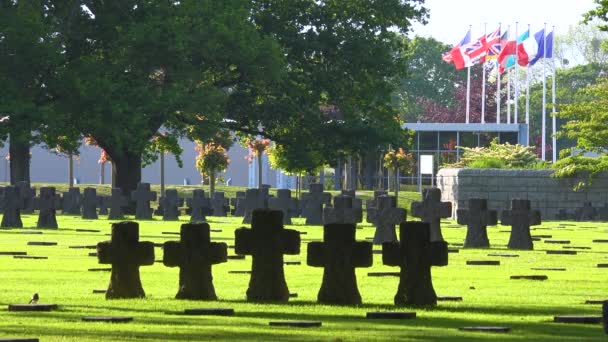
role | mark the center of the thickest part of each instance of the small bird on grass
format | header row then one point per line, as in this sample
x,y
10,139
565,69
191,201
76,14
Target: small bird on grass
x,y
34,299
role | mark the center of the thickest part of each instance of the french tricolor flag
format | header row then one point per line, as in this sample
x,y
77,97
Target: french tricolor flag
x,y
532,49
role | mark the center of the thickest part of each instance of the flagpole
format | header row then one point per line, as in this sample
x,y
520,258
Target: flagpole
x,y
528,98
508,96
544,110
553,119
515,118
498,80
483,83
468,90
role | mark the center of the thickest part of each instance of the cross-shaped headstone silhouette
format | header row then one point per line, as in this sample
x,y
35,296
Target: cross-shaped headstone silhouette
x,y
342,211
415,254
520,218
102,203
27,195
357,202
198,204
143,196
432,210
477,218
11,208
254,199
48,204
89,204
339,254
266,242
388,216
219,204
371,206
313,202
284,203
117,201
72,200
126,253
194,254
170,205
238,203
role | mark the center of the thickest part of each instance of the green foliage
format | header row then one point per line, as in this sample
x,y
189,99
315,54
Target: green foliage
x,y
162,143
506,155
399,160
487,163
212,158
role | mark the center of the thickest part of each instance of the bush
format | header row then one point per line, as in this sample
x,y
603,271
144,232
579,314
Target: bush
x,y
487,163
503,156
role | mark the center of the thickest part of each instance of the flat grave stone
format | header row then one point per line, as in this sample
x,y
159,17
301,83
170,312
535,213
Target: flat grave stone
x,y
302,233
32,307
100,269
503,255
564,242
210,312
492,329
504,231
600,240
292,263
536,239
295,324
453,250
12,253
293,295
383,274
99,291
529,277
596,301
483,262
548,268
239,272
41,243
602,265
578,319
33,232
88,230
110,319
170,233
236,257
215,230
83,247
390,315
18,339
542,236
449,298
35,257
576,247
567,252
93,254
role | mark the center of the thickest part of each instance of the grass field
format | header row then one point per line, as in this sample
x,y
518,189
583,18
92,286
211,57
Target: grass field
x,y
489,296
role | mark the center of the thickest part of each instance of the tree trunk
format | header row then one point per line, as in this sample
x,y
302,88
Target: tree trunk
x,y
368,171
211,185
70,170
126,174
259,170
162,174
338,175
102,175
19,151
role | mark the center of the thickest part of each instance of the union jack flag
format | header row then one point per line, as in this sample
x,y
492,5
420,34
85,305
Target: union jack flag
x,y
476,50
493,43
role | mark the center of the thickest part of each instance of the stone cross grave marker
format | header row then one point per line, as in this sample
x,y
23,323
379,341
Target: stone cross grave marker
x,y
103,202
170,205
388,216
1,198
117,202
254,199
339,254
520,218
72,200
432,210
194,254
585,213
238,203
89,204
266,242
219,204
143,196
371,206
48,203
126,254
11,208
415,254
27,195
477,218
198,205
342,211
282,202
313,202
357,202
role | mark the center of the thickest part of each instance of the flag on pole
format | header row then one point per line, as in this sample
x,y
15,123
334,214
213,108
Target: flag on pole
x,y
456,55
549,45
493,44
511,59
531,49
475,51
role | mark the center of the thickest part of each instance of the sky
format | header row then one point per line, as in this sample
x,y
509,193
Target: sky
x,y
450,19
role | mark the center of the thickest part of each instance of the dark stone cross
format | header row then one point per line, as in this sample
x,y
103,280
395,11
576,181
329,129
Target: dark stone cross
x,y
284,203
126,254
143,196
198,205
194,254
266,242
48,203
387,217
27,195
238,203
339,254
586,213
415,254
170,205
89,204
72,200
371,206
117,202
219,204
477,218
103,204
254,199
342,211
11,208
520,218
313,202
432,210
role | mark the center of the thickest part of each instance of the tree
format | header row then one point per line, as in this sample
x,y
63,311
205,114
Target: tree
x,y
212,158
257,147
398,160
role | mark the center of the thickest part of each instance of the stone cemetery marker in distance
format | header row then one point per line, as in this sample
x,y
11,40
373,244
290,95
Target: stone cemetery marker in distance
x,y
142,196
117,202
219,204
27,195
342,211
415,254
170,205
266,242
11,208
239,203
386,219
254,199
432,210
282,202
520,217
198,205
339,254
126,253
313,202
103,202
477,218
372,206
89,204
48,203
72,201
194,254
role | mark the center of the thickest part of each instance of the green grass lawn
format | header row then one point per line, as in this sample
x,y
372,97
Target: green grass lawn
x,y
489,296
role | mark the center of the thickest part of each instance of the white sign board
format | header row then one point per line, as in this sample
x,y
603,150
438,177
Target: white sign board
x,y
426,164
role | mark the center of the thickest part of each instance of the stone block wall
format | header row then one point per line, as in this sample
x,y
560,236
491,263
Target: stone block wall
x,y
499,186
